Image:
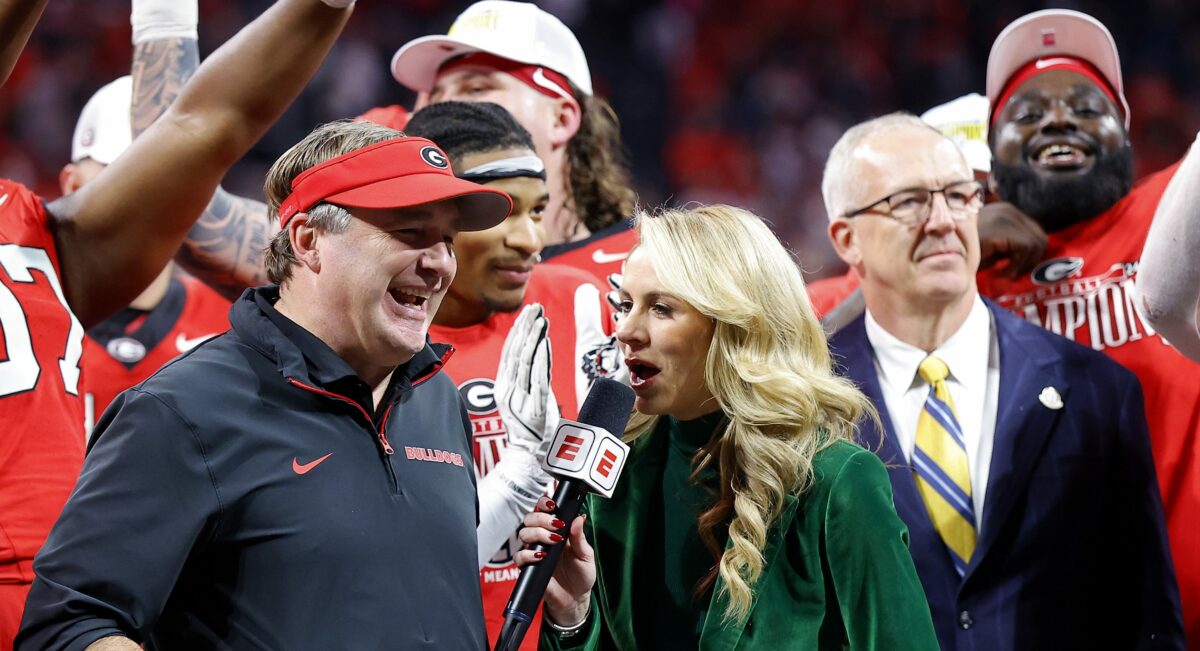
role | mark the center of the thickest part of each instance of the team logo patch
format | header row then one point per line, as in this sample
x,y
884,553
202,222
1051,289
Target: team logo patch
x,y
1056,270
479,395
127,350
434,157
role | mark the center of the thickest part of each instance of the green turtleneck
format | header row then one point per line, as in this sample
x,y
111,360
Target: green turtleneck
x,y
669,569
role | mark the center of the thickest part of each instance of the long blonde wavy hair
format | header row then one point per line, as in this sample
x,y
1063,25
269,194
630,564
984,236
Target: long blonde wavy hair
x,y
768,367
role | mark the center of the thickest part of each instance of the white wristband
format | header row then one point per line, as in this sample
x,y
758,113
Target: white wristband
x,y
338,4
160,19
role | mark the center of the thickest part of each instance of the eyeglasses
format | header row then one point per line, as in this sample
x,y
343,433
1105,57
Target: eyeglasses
x,y
912,207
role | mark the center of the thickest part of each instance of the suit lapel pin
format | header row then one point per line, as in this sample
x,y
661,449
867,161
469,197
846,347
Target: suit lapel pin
x,y
1050,398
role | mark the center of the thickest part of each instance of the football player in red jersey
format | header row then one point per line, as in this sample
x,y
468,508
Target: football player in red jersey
x,y
1061,154
497,275
172,315
67,264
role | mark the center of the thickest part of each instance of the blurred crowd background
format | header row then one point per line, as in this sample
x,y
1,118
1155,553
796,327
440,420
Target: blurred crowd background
x,y
731,101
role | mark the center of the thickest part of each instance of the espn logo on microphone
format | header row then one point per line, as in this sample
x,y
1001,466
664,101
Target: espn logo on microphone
x,y
588,454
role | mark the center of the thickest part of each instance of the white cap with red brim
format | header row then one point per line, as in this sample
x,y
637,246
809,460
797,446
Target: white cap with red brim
x,y
517,31
1049,33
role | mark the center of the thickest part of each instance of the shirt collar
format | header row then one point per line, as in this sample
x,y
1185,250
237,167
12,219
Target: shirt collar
x,y
965,352
329,370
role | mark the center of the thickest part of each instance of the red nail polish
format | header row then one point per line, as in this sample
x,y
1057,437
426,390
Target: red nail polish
x,y
551,505
539,555
558,524
556,538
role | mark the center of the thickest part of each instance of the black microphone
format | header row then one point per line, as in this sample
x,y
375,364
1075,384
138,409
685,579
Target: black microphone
x,y
587,455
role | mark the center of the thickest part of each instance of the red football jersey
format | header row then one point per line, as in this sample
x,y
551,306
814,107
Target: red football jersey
x,y
1084,290
600,255
129,347
473,369
41,341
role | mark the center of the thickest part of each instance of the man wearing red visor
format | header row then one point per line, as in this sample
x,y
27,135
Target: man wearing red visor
x,y
529,62
1061,154
303,481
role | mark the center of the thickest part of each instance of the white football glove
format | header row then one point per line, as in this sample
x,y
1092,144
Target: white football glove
x,y
523,394
530,414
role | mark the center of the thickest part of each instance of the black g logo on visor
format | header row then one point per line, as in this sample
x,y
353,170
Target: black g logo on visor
x,y
434,157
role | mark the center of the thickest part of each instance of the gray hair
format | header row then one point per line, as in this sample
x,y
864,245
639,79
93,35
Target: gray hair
x,y
325,142
839,175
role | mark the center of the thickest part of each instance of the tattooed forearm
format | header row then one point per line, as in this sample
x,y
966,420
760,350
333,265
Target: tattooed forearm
x,y
160,70
225,248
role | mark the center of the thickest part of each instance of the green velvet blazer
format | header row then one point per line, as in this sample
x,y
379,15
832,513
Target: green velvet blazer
x,y
838,573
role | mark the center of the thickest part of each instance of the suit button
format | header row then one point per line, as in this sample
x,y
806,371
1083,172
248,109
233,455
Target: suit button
x,y
965,621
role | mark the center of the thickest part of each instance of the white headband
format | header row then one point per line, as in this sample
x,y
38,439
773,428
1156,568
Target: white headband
x,y
506,168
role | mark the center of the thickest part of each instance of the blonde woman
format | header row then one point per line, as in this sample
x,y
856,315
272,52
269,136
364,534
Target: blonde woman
x,y
745,518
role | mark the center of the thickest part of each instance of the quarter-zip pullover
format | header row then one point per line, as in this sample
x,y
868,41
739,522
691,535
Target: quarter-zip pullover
x,y
246,497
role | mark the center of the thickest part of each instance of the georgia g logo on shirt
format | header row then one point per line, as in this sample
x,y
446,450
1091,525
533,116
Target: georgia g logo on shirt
x,y
1056,270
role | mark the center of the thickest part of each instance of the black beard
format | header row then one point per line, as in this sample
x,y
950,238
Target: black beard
x,y
1059,203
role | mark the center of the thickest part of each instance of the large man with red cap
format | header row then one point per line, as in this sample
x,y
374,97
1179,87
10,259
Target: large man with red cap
x,y
1061,154
303,481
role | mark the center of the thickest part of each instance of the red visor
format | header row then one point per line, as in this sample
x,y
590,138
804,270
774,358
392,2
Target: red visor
x,y
397,173
539,78
1046,64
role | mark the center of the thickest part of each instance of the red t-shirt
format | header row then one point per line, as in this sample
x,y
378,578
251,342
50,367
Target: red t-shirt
x,y
1083,290
473,369
129,347
600,255
41,440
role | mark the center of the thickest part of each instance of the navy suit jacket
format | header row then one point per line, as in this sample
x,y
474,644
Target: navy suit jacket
x,y
1072,551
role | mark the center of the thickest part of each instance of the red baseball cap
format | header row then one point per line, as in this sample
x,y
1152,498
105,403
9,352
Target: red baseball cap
x,y
397,173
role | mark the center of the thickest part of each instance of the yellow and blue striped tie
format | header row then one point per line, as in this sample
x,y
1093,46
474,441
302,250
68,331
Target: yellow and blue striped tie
x,y
940,465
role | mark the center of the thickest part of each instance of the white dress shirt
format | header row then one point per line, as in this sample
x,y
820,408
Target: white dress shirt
x,y
973,356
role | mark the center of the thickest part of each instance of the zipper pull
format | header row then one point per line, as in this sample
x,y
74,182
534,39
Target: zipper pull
x,y
387,448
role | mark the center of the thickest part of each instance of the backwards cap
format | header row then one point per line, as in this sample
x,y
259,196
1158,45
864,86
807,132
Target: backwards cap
x,y
396,173
103,132
517,31
1050,33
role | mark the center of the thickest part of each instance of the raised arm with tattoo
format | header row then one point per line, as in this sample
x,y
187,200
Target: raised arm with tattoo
x,y
1168,281
109,252
224,248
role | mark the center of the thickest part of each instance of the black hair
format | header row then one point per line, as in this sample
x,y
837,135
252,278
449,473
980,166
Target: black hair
x,y
462,128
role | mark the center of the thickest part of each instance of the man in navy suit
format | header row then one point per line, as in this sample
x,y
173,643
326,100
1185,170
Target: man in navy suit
x,y
1019,460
